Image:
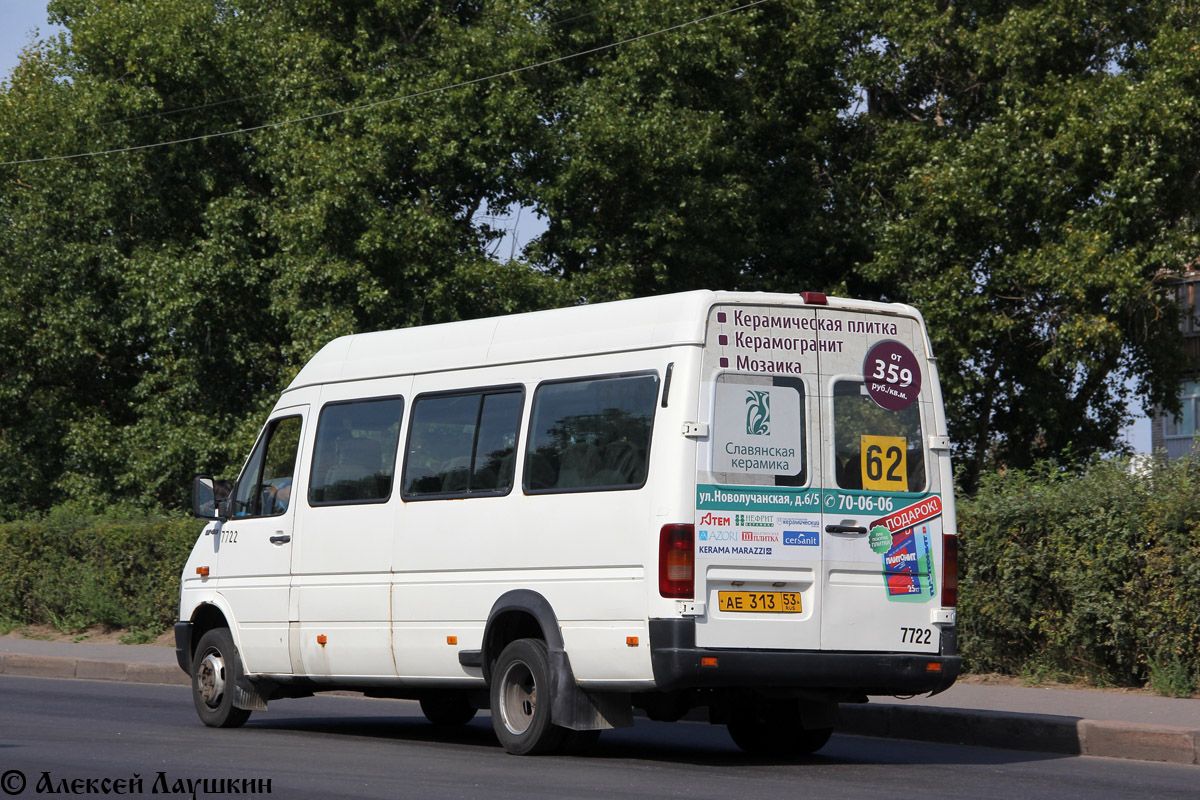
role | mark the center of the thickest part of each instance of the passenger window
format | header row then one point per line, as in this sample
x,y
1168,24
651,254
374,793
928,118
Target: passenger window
x,y
876,448
265,487
354,458
462,444
590,434
759,432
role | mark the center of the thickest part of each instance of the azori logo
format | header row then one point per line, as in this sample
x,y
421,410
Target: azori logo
x,y
758,413
712,519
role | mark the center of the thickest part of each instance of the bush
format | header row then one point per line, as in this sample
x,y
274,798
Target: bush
x,y
1095,576
75,570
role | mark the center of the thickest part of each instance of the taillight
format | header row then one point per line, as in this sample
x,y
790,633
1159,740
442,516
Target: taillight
x,y
949,570
676,561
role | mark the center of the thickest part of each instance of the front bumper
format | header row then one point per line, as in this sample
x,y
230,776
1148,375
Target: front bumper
x,y
183,645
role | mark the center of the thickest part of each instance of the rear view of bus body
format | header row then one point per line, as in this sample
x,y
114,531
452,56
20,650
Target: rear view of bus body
x,y
733,501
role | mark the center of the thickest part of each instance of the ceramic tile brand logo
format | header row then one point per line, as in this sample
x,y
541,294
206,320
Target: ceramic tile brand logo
x,y
718,536
754,521
713,519
758,413
802,538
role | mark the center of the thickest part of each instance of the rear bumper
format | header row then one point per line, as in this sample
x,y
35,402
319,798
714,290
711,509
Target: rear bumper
x,y
676,662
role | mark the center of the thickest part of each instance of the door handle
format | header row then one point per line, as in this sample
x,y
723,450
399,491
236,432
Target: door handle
x,y
845,529
283,538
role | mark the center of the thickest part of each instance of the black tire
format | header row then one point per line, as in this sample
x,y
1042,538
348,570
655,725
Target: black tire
x,y
772,737
447,709
520,695
215,670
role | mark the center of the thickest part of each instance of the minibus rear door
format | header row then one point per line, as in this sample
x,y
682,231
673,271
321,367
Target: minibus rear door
x,y
881,500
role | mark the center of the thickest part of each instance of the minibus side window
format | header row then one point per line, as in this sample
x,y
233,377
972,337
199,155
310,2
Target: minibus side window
x,y
875,448
462,444
354,458
590,434
265,488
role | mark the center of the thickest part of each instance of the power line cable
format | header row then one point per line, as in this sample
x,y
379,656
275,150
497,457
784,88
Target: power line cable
x,y
388,101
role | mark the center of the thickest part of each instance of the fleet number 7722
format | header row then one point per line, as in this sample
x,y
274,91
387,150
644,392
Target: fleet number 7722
x,y
916,635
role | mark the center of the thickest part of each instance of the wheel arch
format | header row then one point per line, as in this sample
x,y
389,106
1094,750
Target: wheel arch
x,y
205,616
518,614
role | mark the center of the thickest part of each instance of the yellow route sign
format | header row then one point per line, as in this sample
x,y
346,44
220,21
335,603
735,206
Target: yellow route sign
x,y
885,463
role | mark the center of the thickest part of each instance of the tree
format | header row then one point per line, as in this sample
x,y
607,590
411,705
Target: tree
x,y
1032,169
705,156
179,288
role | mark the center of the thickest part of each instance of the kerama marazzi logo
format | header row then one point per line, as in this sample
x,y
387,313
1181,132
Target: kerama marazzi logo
x,y
758,413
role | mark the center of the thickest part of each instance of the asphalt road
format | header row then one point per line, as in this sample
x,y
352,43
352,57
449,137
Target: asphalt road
x,y
61,733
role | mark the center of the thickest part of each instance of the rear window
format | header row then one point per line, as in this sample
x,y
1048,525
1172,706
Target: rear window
x,y
591,434
876,448
759,432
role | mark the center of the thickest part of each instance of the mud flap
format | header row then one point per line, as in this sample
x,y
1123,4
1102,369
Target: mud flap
x,y
580,710
250,696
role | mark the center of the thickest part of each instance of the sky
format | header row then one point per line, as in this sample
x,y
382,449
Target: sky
x,y
18,18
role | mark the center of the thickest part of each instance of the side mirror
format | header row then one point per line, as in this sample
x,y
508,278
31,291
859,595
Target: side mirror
x,y
210,496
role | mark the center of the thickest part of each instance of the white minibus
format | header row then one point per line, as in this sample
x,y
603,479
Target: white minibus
x,y
734,504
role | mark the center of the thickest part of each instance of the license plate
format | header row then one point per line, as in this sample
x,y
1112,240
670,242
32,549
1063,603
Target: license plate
x,y
760,602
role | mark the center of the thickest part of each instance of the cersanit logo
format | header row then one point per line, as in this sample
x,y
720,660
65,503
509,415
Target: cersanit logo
x,y
758,413
713,519
802,538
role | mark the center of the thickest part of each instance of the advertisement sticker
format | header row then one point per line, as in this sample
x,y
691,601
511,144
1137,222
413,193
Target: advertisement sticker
x,y
757,430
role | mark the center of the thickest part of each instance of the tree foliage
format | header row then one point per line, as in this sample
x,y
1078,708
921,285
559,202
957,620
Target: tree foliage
x,y
1034,167
1022,172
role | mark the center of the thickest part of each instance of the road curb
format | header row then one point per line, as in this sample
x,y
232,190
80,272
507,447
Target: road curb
x,y
1140,741
93,669
1045,733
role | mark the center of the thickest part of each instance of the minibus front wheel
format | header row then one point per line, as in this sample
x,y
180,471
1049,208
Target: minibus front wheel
x,y
214,677
520,695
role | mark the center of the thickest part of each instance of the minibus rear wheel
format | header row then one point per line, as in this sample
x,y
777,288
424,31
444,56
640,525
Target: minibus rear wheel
x,y
520,695
215,670
448,709
775,737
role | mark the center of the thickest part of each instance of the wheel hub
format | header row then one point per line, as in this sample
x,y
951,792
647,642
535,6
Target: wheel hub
x,y
518,698
211,679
